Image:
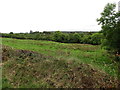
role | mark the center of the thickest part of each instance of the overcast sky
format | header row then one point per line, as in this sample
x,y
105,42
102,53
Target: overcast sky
x,y
50,15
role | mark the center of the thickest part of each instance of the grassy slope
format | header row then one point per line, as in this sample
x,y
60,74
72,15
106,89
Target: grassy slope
x,y
88,54
84,53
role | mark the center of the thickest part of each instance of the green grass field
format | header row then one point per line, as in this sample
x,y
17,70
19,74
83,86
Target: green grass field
x,y
91,55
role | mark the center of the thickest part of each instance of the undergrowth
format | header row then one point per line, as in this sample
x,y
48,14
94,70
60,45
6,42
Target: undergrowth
x,y
30,69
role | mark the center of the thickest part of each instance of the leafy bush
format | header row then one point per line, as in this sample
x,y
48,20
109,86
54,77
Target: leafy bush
x,y
86,38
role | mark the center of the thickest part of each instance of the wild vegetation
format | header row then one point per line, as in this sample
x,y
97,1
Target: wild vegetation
x,y
110,28
66,60
32,63
83,37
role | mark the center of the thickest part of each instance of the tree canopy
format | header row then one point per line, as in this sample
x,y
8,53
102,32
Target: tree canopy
x,y
110,25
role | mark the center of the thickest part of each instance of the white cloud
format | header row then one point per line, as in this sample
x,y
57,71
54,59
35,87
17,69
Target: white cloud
x,y
41,15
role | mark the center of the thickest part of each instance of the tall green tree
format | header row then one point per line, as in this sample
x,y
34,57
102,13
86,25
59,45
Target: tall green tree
x,y
110,27
76,37
57,36
96,38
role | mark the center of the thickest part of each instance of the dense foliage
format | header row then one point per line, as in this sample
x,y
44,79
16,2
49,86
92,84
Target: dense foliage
x,y
110,28
84,37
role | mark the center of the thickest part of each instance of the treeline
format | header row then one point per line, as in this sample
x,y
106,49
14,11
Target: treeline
x,y
83,38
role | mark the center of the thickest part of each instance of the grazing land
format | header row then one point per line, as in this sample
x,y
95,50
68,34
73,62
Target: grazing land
x,y
41,64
